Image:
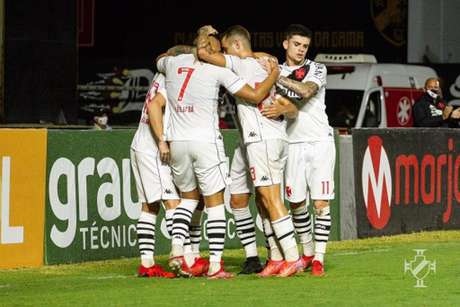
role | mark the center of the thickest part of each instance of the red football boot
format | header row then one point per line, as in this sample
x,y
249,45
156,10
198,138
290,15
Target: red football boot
x,y
272,268
317,268
221,274
199,267
307,260
290,268
154,271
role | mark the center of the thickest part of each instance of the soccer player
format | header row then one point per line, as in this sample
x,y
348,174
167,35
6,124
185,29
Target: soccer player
x,y
197,152
197,265
241,189
311,158
266,148
153,182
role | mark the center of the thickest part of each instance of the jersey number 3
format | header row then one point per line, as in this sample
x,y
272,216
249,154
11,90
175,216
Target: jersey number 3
x,y
189,72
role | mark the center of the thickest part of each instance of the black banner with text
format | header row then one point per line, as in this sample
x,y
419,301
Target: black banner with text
x,y
406,180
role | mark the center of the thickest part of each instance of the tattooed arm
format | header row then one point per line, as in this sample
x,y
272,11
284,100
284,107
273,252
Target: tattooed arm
x,y
305,90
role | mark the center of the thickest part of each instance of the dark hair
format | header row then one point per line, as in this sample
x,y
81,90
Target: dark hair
x,y
298,29
99,111
237,30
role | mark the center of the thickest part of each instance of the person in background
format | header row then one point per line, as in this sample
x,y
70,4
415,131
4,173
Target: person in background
x,y
101,119
430,110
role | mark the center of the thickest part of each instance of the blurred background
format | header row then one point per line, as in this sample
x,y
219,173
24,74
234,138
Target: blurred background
x,y
61,61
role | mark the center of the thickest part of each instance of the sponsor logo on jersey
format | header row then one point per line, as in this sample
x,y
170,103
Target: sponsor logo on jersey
x,y
301,72
288,191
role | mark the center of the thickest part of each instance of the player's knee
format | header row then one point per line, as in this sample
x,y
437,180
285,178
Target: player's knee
x,y
152,208
297,205
214,199
171,203
239,201
194,194
322,207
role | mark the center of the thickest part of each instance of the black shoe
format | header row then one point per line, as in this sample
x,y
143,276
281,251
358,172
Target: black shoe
x,y
251,265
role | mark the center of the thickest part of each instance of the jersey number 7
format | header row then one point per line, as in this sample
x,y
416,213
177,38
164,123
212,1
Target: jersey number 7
x,y
189,72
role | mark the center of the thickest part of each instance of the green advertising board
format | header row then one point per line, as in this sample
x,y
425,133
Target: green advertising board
x,y
92,205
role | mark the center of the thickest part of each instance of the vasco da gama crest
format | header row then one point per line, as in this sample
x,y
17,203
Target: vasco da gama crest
x,y
390,19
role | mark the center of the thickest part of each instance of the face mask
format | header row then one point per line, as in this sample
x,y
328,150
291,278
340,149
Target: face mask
x,y
102,120
432,94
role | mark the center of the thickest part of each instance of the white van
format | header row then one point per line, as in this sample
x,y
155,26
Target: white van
x,y
363,93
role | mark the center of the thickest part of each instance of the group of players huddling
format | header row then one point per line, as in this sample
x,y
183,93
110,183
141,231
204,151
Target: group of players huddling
x,y
178,155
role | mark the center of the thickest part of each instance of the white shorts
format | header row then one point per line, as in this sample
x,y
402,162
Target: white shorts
x,y
267,160
153,178
310,168
199,164
239,172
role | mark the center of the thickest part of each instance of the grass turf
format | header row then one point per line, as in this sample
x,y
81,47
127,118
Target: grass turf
x,y
359,273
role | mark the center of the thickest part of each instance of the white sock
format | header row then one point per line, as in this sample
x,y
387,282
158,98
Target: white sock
x,y
284,231
169,220
181,223
275,252
319,257
195,232
188,253
322,229
146,237
246,231
302,223
213,267
216,228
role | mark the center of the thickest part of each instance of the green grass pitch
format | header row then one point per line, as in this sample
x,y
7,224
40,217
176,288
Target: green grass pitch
x,y
366,272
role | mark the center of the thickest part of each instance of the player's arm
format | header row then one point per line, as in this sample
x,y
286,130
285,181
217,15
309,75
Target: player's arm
x,y
281,106
161,61
306,90
258,94
160,57
261,56
155,111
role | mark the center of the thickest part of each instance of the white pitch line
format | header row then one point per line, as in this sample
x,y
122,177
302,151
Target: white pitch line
x,y
362,252
108,277
5,286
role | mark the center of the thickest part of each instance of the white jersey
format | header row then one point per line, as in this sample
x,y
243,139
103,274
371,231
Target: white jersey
x,y
143,140
255,126
311,123
193,89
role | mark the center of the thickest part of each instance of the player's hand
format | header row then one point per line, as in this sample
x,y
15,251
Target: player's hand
x,y
259,55
207,30
447,112
202,41
274,67
165,155
274,110
455,113
263,61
